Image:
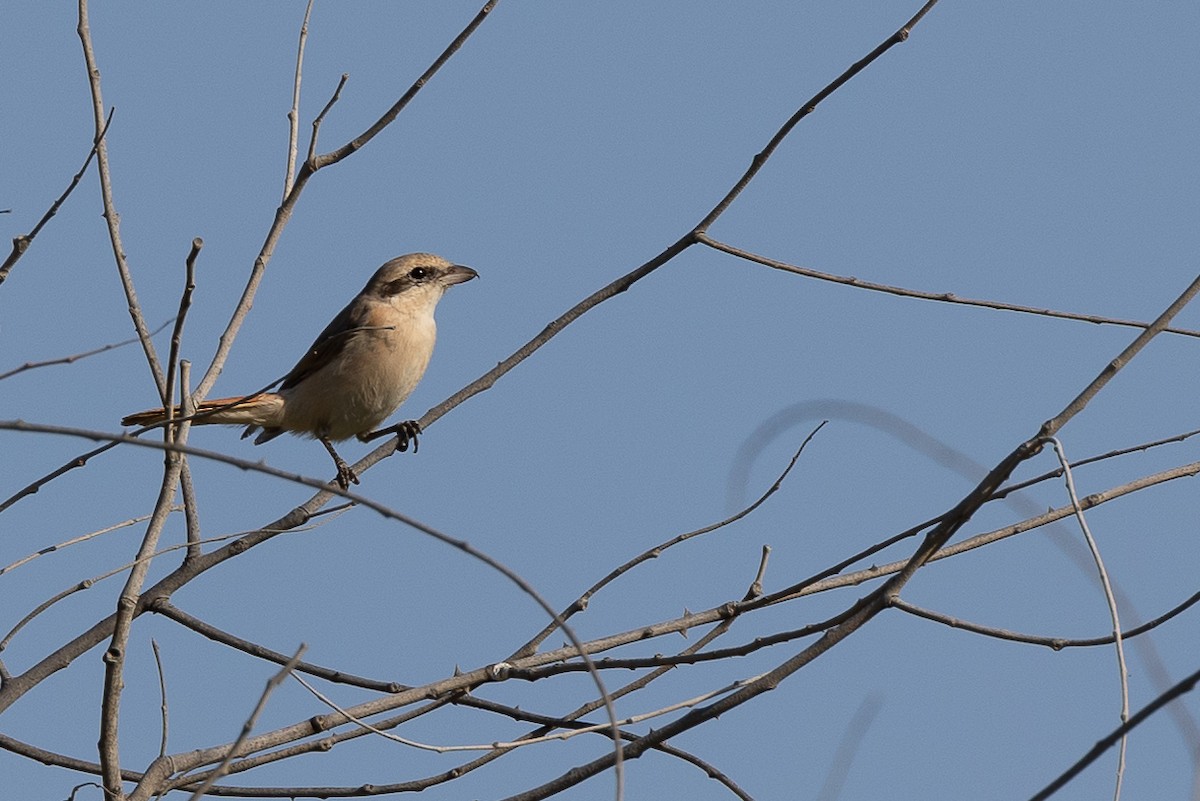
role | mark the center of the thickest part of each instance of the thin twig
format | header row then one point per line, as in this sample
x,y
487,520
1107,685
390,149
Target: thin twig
x,y
760,159
49,549
111,217
21,243
77,356
316,123
1008,489
940,297
76,461
294,114
1051,427
248,726
1108,597
162,694
756,586
185,303
546,668
79,787
191,511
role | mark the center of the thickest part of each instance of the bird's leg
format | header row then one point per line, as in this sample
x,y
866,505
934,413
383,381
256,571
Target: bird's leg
x,y
344,474
406,432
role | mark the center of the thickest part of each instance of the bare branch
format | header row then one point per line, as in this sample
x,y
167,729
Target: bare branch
x,y
110,212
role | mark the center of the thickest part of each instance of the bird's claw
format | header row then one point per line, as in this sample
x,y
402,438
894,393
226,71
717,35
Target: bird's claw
x,y
406,432
345,475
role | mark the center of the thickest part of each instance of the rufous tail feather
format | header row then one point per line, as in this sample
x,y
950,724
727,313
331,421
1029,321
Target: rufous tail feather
x,y
261,410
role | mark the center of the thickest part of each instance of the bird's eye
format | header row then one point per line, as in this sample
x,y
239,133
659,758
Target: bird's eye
x,y
418,273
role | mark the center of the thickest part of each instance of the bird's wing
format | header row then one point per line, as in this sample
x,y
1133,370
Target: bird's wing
x,y
348,323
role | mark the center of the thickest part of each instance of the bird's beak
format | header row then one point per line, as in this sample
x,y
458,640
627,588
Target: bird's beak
x,y
458,274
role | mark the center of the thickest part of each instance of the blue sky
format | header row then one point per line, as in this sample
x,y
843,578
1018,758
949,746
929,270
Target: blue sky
x,y
1031,153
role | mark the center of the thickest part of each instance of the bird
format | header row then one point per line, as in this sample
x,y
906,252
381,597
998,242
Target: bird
x,y
366,362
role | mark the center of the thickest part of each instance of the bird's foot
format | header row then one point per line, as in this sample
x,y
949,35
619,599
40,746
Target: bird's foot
x,y
405,432
345,474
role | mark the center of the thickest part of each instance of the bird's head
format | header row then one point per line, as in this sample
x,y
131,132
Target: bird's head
x,y
419,278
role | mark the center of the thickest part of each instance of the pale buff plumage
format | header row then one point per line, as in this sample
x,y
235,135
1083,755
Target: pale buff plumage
x,y
359,370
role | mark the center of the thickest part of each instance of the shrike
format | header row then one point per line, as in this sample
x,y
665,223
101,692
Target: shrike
x,y
360,369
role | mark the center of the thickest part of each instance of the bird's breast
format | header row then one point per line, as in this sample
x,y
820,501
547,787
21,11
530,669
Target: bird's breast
x,y
357,390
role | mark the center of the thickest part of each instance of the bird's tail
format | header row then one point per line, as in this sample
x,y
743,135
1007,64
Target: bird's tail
x,y
264,410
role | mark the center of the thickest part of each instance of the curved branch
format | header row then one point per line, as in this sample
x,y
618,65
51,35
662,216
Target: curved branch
x,y
1055,643
940,297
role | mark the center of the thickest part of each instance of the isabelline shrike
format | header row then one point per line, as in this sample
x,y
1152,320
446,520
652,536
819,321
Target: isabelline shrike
x,y
360,369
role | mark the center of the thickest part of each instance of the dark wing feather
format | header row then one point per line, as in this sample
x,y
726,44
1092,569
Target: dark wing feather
x,y
329,343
